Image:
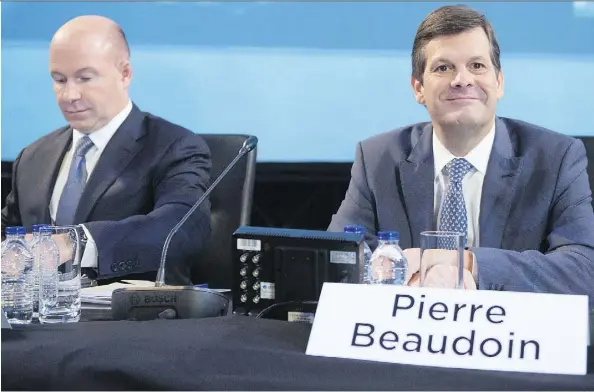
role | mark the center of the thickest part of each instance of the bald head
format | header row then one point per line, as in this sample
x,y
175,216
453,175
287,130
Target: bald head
x,y
98,32
90,66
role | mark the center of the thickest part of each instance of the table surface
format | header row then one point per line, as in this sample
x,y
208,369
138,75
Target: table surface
x,y
223,353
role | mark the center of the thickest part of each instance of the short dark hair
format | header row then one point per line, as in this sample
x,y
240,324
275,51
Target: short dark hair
x,y
450,20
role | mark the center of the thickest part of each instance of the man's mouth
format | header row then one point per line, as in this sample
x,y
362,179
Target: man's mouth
x,y
462,99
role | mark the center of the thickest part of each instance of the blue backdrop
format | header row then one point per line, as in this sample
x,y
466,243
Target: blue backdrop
x,y
310,79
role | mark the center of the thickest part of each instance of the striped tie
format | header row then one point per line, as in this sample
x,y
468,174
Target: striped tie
x,y
75,184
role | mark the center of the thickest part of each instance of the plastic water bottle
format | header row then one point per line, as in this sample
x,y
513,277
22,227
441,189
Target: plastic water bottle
x,y
49,258
388,264
17,277
360,229
36,267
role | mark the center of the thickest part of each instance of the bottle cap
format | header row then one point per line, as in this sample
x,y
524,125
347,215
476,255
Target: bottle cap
x,y
388,236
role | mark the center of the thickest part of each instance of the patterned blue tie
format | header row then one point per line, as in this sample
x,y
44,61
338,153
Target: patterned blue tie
x,y
75,184
453,209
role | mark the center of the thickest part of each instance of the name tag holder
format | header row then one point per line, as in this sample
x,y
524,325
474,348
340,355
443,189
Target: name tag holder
x,y
489,330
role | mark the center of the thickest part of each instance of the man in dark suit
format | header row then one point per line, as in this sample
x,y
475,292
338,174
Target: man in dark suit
x,y
518,192
126,175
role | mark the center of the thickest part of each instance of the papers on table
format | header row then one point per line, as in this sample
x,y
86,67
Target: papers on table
x,y
100,296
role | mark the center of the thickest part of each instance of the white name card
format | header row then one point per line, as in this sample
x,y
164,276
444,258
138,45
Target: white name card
x,y
489,330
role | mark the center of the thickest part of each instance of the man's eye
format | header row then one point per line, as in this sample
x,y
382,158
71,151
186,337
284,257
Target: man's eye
x,y
85,78
442,68
478,65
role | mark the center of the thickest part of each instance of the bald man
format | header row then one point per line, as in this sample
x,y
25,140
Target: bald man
x,y
127,176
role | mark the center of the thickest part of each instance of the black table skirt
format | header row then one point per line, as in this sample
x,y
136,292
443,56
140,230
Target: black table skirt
x,y
230,353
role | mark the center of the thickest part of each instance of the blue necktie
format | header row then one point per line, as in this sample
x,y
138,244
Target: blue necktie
x,y
453,210
75,184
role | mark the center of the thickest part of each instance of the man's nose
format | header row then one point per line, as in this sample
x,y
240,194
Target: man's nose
x,y
462,78
70,92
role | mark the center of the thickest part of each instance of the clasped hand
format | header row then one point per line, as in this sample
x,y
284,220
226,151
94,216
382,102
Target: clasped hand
x,y
441,267
65,246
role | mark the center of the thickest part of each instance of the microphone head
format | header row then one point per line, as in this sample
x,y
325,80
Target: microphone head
x,y
250,143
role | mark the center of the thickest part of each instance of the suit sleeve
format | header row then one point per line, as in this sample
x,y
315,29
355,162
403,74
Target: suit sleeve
x,y
357,208
134,244
567,267
11,215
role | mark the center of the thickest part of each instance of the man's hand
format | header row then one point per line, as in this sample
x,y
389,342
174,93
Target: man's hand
x,y
65,247
444,276
440,267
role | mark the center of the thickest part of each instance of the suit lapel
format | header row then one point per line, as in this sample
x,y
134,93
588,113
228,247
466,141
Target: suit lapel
x,y
499,187
119,152
417,178
51,158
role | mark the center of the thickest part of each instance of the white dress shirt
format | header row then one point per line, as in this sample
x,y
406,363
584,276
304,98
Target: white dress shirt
x,y
472,183
100,138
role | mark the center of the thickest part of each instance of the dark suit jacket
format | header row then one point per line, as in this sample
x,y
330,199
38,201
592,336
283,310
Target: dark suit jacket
x,y
149,175
536,220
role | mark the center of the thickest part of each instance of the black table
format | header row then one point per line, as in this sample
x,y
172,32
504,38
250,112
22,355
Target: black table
x,y
233,353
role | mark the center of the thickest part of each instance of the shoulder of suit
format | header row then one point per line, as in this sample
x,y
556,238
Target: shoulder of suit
x,y
401,137
173,130
388,148
52,134
167,133
42,141
524,133
531,135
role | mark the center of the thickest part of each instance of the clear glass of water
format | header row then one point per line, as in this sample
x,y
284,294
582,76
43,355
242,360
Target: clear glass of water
x,y
66,307
442,259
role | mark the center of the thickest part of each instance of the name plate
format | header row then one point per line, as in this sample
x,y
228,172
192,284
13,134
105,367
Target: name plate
x,y
489,330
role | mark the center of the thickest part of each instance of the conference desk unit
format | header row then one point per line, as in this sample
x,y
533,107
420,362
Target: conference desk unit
x,y
223,353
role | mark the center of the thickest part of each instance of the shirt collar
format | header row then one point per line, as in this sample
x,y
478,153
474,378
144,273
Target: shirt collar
x,y
478,157
103,135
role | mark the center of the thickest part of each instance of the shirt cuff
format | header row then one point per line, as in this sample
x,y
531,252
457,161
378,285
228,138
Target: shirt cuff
x,y
89,258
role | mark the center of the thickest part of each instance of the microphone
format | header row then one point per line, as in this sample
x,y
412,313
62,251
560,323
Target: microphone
x,y
169,302
248,146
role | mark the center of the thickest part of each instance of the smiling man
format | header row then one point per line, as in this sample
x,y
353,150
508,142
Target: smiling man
x,y
127,176
518,192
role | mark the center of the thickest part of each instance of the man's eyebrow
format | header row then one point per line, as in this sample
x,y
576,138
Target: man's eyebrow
x,y
474,58
78,72
445,60
440,60
86,69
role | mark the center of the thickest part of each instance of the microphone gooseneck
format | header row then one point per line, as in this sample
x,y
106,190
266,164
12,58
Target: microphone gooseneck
x,y
249,144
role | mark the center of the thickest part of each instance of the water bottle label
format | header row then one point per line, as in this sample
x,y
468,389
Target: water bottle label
x,y
341,257
247,244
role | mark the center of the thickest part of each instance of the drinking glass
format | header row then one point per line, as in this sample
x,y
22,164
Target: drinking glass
x,y
442,259
66,307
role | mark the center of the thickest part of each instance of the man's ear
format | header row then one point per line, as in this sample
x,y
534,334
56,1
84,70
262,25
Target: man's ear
x,y
500,83
126,70
418,90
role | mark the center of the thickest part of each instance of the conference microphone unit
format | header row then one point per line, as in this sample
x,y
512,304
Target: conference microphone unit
x,y
175,302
